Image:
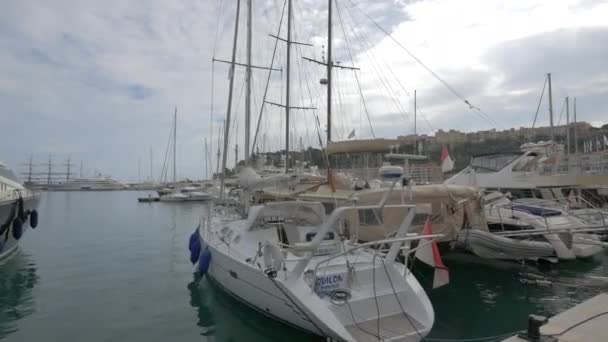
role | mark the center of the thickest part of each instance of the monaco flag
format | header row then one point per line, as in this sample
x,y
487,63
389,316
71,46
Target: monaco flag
x,y
428,253
447,163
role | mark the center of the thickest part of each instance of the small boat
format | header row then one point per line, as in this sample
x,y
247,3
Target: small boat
x,y
505,216
199,196
491,246
174,197
294,264
17,211
148,199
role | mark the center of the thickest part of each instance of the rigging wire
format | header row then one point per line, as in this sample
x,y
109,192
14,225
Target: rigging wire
x,y
478,110
255,136
390,69
377,68
561,113
355,71
539,102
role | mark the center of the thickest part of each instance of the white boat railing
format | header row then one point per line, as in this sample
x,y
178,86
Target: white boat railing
x,y
431,238
336,215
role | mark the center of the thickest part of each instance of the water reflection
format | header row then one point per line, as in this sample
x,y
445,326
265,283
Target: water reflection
x,y
505,293
17,279
223,318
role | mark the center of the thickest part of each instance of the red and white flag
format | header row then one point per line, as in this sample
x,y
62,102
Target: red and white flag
x,y
428,253
447,163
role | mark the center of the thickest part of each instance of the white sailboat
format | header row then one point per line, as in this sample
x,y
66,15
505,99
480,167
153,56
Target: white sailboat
x,y
290,261
294,264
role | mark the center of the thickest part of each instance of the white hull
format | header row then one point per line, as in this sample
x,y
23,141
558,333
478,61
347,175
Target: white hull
x,y
8,209
300,289
255,289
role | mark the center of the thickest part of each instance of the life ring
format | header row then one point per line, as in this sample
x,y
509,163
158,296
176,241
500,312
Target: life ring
x,y
273,258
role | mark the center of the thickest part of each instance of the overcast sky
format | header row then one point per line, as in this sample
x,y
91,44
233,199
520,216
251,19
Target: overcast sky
x,y
99,80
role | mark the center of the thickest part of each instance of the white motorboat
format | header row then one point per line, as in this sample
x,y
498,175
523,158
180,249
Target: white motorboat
x,y
294,264
199,196
17,211
174,197
558,227
540,170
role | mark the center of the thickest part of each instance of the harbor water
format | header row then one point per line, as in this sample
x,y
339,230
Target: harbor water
x,y
103,267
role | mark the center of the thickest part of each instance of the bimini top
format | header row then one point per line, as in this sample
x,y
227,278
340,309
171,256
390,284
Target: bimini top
x,y
302,213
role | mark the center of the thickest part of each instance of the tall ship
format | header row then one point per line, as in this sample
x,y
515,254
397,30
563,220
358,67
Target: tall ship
x,y
17,211
51,176
99,183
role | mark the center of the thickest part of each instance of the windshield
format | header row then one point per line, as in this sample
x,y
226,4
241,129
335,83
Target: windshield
x,y
494,162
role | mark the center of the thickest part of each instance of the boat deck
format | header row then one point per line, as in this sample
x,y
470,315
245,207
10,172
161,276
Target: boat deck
x,y
392,328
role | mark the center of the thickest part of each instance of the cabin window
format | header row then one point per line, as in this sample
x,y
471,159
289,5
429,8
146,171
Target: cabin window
x,y
311,235
329,207
369,217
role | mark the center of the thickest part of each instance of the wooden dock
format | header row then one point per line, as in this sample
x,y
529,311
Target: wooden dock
x,y
586,322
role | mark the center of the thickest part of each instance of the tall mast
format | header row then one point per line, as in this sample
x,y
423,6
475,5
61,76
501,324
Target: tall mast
x,y
329,65
174,145
551,108
206,160
248,81
219,142
575,134
230,90
567,125
415,132
151,174
81,169
139,170
67,175
48,179
287,87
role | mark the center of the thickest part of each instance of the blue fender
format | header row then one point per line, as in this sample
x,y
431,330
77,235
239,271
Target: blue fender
x,y
193,239
195,251
204,261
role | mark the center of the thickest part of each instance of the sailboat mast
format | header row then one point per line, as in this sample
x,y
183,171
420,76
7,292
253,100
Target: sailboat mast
x,y
230,90
151,174
287,90
174,145
551,108
329,65
415,132
567,125
206,160
248,82
575,134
